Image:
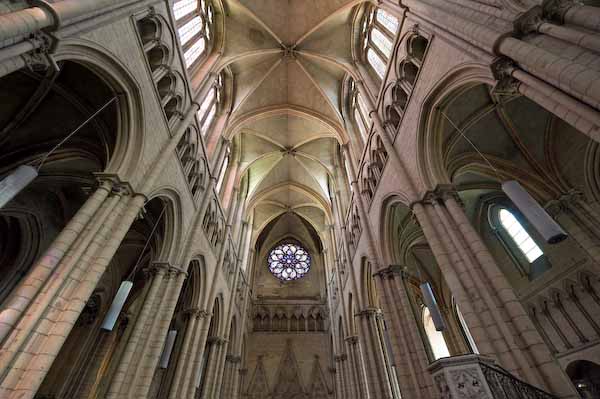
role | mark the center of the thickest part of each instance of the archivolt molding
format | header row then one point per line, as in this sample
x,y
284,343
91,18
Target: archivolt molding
x,y
130,138
429,141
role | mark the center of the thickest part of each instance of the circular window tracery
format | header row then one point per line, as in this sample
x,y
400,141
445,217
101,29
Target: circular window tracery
x,y
289,262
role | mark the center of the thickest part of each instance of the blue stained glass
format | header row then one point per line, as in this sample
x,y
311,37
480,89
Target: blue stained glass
x,y
289,262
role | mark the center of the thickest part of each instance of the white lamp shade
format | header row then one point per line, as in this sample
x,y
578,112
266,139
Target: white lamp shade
x,y
116,306
14,183
431,303
535,214
168,349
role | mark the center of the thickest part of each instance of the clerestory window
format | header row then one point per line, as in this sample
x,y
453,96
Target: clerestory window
x,y
194,27
519,235
379,31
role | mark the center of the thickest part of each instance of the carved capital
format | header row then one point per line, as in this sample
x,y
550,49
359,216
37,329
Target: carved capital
x,y
506,85
528,22
340,358
233,359
352,339
555,10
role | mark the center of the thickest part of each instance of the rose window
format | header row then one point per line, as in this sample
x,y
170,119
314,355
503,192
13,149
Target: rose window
x,y
289,262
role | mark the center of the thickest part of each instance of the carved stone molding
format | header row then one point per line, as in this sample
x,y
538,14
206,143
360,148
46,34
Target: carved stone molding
x,y
528,22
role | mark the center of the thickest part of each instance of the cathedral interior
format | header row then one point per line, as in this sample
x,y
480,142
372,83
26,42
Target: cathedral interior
x,y
299,199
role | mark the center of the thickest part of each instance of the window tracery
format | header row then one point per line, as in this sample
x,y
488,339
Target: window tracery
x,y
289,262
210,105
195,24
379,31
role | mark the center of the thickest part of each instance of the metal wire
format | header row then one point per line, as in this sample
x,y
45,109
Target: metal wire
x,y
45,157
472,144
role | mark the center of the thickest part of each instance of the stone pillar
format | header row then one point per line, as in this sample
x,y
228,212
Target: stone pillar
x,y
231,380
79,230
209,389
193,366
359,384
511,80
185,352
496,318
377,376
131,355
408,348
27,370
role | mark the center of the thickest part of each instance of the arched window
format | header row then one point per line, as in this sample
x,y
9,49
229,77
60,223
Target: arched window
x,y
379,30
210,105
360,112
438,345
194,27
519,235
223,170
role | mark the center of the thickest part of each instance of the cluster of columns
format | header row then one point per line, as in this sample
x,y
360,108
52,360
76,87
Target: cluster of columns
x,y
45,306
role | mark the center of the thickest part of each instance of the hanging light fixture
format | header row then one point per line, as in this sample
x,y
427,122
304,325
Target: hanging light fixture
x,y
168,349
529,207
117,304
431,303
20,178
125,288
14,183
534,212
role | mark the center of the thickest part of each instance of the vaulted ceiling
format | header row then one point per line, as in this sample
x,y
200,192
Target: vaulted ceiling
x,y
289,59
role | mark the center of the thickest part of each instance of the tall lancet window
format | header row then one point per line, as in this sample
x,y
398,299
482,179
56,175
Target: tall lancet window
x,y
194,21
223,170
379,31
360,111
210,105
519,235
437,343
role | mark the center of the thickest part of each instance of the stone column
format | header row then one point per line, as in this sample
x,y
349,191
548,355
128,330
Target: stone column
x,y
82,226
511,80
377,375
131,354
359,384
185,352
232,367
496,317
158,334
193,366
409,350
209,389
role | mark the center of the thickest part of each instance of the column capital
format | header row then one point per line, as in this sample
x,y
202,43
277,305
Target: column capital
x,y
352,339
340,358
555,10
502,69
369,312
233,359
390,271
528,22
119,186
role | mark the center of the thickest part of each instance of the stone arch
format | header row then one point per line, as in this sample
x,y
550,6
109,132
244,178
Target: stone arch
x,y
130,138
172,219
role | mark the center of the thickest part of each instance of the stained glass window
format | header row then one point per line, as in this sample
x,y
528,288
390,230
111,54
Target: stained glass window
x,y
389,21
184,7
289,262
519,235
376,62
382,42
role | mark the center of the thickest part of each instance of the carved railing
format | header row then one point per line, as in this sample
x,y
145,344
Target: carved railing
x,y
475,376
